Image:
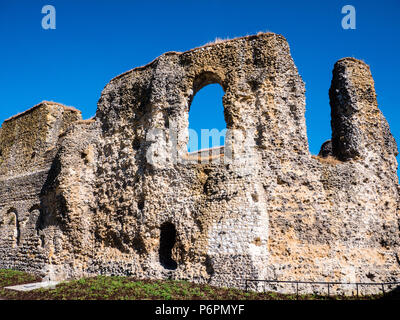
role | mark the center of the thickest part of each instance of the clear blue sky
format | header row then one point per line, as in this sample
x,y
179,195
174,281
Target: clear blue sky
x,y
97,40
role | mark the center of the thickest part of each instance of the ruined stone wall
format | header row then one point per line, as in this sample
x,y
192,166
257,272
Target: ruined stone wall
x,y
121,183
27,148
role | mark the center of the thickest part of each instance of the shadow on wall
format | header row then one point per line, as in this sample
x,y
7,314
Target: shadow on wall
x,y
392,295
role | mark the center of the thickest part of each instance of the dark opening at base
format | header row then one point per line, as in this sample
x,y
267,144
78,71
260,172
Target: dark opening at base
x,y
167,242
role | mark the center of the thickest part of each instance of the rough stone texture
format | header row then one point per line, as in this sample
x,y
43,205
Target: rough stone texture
x,y
263,208
326,149
28,145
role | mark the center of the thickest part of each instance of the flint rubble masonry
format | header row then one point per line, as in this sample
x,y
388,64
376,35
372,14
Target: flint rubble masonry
x,y
90,197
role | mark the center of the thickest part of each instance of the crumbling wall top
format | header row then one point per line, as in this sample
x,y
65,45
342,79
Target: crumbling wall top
x,y
28,140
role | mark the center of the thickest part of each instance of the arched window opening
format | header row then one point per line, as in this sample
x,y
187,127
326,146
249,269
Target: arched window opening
x,y
207,126
14,223
40,221
36,213
167,242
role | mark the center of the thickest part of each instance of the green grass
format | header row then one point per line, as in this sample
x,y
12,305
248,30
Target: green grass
x,y
13,277
125,288
116,288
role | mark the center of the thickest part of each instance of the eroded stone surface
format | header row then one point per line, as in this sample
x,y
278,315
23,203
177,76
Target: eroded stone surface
x,y
108,185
